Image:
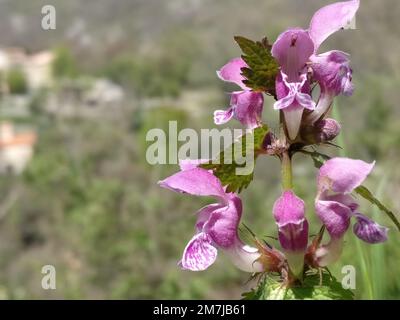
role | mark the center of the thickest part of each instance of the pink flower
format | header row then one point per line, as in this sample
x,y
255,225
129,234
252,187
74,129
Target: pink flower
x,y
295,48
293,229
335,206
217,224
246,106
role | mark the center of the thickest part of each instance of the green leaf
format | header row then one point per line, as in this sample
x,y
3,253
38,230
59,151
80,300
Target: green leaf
x,y
317,157
256,293
314,287
239,150
263,68
320,158
366,194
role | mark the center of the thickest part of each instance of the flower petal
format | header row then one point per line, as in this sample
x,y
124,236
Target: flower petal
x,y
280,87
344,199
329,253
293,227
288,208
343,175
223,116
293,116
245,257
223,224
187,164
330,19
196,181
248,107
292,49
333,73
285,102
305,101
335,216
199,253
368,230
204,214
231,72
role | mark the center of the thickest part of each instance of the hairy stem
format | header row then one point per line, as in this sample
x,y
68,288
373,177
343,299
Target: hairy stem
x,y
287,178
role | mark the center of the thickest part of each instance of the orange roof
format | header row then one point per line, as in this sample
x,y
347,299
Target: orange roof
x,y
28,138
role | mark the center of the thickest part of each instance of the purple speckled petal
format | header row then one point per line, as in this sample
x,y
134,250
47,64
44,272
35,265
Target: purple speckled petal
x,y
231,72
292,50
330,19
280,87
285,102
293,229
305,101
199,253
196,181
368,230
344,199
289,215
248,107
335,216
223,224
343,175
333,73
223,116
204,214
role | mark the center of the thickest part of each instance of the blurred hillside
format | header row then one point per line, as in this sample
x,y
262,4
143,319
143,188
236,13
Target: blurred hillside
x,y
88,202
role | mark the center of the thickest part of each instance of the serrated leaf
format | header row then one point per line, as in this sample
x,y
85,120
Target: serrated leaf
x,y
320,158
263,68
228,172
314,287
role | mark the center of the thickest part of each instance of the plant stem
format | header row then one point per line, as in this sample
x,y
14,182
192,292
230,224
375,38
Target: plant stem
x,y
287,179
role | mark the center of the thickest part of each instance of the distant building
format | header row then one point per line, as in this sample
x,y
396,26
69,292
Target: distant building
x,y
16,149
88,98
104,92
36,67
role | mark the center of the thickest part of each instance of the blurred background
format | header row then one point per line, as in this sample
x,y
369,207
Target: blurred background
x,y
76,103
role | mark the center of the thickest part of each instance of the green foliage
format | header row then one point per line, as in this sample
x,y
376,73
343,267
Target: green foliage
x,y
310,289
263,68
16,81
227,172
366,194
64,64
317,157
157,74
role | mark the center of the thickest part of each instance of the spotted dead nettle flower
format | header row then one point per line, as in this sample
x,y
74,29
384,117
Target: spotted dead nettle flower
x,y
217,224
287,71
292,225
296,49
335,206
246,105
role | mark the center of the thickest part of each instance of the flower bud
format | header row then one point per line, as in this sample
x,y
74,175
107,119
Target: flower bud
x,y
327,130
322,131
293,229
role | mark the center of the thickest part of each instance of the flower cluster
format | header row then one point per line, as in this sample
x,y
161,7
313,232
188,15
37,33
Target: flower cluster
x,y
304,123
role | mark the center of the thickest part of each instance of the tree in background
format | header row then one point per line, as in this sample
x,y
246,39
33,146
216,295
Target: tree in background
x,y
16,81
64,65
